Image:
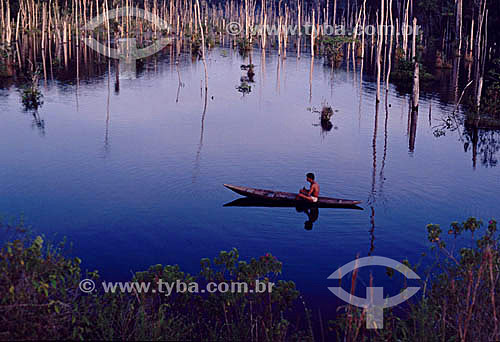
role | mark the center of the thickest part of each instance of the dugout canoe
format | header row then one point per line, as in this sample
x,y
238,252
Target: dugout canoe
x,y
280,196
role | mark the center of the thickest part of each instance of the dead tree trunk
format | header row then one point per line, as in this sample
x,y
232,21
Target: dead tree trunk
x,y
416,87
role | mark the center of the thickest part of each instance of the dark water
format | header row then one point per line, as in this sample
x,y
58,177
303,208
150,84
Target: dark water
x,y
133,176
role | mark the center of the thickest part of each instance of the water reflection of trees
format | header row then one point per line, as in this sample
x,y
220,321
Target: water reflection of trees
x,y
483,143
63,64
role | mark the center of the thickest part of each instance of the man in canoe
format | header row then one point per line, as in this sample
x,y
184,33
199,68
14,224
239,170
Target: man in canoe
x,y
312,194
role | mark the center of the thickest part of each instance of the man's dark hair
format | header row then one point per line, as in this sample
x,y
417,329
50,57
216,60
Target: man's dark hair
x,y
310,175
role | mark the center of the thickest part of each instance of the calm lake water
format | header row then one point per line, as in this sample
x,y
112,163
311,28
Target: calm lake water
x,y
133,176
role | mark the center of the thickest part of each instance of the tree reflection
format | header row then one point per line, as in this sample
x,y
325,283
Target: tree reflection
x,y
484,144
476,134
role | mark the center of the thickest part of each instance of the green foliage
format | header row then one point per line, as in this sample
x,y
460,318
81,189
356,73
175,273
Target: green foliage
x,y
491,98
244,44
460,294
439,8
41,300
38,286
465,284
196,45
405,69
325,113
403,72
31,96
41,297
333,47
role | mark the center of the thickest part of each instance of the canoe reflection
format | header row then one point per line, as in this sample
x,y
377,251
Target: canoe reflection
x,y
310,209
312,215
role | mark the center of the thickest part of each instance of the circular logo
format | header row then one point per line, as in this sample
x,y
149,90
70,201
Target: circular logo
x,y
131,52
86,285
233,28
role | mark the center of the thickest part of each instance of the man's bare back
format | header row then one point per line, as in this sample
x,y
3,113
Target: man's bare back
x,y
314,189
312,194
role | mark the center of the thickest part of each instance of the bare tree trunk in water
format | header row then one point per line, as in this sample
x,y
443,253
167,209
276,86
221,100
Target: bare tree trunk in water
x,y
312,34
202,45
414,41
458,25
379,48
334,11
390,50
405,29
477,55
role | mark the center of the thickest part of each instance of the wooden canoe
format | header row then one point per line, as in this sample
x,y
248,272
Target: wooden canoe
x,y
279,196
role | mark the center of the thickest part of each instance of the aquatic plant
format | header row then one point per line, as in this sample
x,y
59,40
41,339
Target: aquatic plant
x,y
244,46
31,96
403,73
196,45
250,74
244,87
249,70
325,113
246,66
333,48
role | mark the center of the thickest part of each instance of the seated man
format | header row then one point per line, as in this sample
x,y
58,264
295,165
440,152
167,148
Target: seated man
x,y
312,194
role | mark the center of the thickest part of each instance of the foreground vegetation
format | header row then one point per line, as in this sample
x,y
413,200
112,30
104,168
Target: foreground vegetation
x,y
460,299
41,299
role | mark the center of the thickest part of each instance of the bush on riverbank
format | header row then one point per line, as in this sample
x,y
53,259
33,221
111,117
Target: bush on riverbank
x,y
461,293
41,298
